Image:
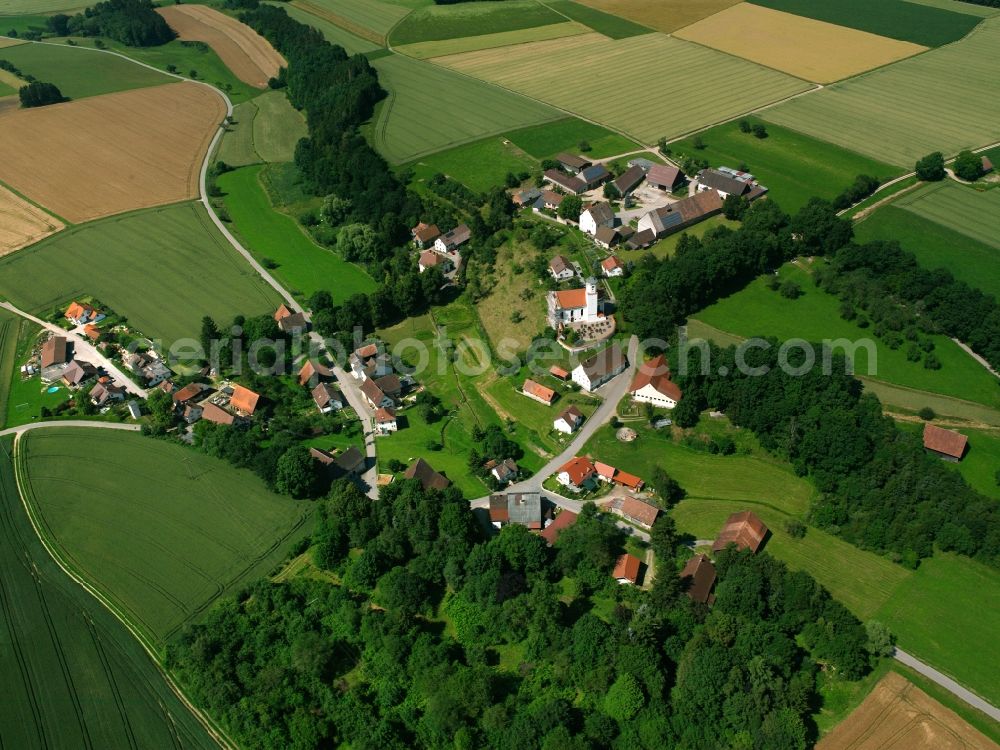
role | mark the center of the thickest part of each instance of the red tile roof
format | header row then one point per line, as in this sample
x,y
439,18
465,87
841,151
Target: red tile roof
x,y
627,567
188,392
558,372
640,510
948,442
93,332
656,372
244,399
571,299
605,471
429,259
384,415
611,263
563,521
215,414
532,388
281,313
579,469
744,530
628,480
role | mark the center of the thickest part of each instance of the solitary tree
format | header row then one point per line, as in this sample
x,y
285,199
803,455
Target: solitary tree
x,y
745,126
931,167
759,130
968,166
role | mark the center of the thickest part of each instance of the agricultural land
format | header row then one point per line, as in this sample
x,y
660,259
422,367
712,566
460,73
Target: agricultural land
x,y
10,326
439,48
243,50
972,213
152,253
453,21
277,127
22,223
104,155
817,51
236,147
662,15
370,20
352,43
158,529
884,114
545,141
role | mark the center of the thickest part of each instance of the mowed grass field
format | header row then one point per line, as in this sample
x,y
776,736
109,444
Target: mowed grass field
x,y
236,147
479,165
976,214
169,267
161,530
73,675
800,46
887,114
277,127
794,167
352,43
303,266
25,7
567,73
370,20
983,11
662,15
758,311
545,141
936,246
438,48
614,26
453,21
897,19
430,108
10,327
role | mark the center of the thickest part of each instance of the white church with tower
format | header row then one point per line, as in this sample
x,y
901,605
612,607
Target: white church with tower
x,y
574,305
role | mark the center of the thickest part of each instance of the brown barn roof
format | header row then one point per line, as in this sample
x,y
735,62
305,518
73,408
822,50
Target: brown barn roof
x,y
660,174
54,351
656,372
573,161
563,521
532,388
948,442
635,508
701,571
744,530
430,479
627,567
426,232
558,372
498,509
215,414
244,399
188,392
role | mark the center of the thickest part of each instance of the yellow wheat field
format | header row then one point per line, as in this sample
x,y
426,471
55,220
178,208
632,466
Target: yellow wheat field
x,y
22,223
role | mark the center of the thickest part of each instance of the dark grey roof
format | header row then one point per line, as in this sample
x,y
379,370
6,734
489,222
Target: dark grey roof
x,y
629,179
641,239
604,363
602,213
718,181
573,184
350,459
525,508
590,175
573,161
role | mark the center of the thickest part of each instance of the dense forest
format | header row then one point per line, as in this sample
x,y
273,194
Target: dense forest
x,y
417,631
132,22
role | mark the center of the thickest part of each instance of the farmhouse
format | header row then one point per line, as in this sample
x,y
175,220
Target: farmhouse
x,y
947,444
385,421
561,269
428,478
685,212
597,215
595,176
189,394
424,234
744,530
432,259
564,520
522,508
216,414
243,400
594,372
528,197
80,314
368,361
451,241
538,392
665,178
78,373
573,185
290,322
55,354
103,394
549,200
606,237
327,400
572,162
726,182
612,266
627,181
576,474
374,395
652,384
627,569
568,421
699,576
636,511
573,305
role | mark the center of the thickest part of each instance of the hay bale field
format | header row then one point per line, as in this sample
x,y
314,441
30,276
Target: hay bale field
x,y
104,155
814,50
277,127
937,101
163,269
662,15
370,20
897,714
245,52
675,77
439,48
160,529
430,108
22,223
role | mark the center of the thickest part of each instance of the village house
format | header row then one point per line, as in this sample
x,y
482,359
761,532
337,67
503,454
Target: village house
x,y
216,414
573,305
449,242
573,163
77,373
563,521
432,259
561,269
313,373
290,322
385,421
676,216
698,575
424,234
80,314
521,508
594,176
538,392
627,569
548,201
594,372
726,182
527,197
92,332
189,394
612,266
368,361
428,478
374,395
568,421
577,474
611,475
243,401
559,373
652,384
946,444
103,394
606,237
56,353
348,463
149,367
627,181
640,240
505,471
744,530
636,511
327,399
192,413
572,185
597,215
663,177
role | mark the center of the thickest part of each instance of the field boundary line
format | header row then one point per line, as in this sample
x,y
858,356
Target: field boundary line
x,y
66,222
214,731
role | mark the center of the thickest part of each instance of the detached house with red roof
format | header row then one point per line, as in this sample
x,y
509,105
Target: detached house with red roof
x,y
636,511
744,530
577,474
538,392
627,569
699,577
612,266
424,234
243,400
652,384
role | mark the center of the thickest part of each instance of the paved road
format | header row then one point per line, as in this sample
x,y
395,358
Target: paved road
x,y
70,423
948,684
83,349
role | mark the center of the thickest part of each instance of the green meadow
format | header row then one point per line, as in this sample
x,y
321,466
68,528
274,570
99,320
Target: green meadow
x,y
352,43
452,21
480,165
277,127
545,141
968,211
601,22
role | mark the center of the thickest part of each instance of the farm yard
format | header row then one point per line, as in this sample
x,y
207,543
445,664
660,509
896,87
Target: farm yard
x,y
813,50
567,72
897,19
73,675
244,51
884,114
104,155
159,529
438,48
335,34
430,108
163,269
22,223
370,20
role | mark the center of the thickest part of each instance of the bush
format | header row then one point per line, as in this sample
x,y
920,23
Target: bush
x,y
796,529
791,290
926,414
584,146
745,126
698,143
759,131
931,167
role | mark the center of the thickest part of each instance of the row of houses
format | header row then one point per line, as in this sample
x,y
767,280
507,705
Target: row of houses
x,y
581,473
440,250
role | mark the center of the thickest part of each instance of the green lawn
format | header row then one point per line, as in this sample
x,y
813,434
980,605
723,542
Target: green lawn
x,y
10,328
545,141
937,246
20,24
912,401
17,7
793,166
603,23
160,529
169,267
303,266
480,165
471,19
74,676
335,34
959,6
277,127
815,316
236,147
80,73
21,400
982,461
668,245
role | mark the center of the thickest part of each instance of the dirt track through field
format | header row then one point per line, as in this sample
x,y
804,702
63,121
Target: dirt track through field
x,y
897,715
249,55
21,223
107,154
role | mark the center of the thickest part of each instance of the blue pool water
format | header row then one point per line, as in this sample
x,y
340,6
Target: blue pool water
x,y
53,389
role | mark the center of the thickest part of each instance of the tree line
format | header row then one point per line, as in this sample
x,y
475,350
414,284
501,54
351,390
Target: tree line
x,y
132,22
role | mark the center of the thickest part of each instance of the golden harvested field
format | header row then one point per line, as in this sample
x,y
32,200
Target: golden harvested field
x,y
249,55
810,49
684,86
10,79
662,15
22,223
107,154
8,42
897,715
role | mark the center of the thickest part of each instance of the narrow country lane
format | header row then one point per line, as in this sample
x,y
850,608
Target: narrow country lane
x,y
70,423
948,684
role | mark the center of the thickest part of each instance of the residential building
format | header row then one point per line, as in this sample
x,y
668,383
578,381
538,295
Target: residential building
x,y
572,162
149,367
628,180
103,394
350,462
77,373
390,385
594,372
612,266
563,521
635,511
538,392
290,322
428,478
92,332
189,394
726,182
744,530
549,200
424,235
572,185
672,218
368,361
577,474
627,569
652,384
243,400
561,269
80,314
449,242
192,413
527,197
374,395
594,176
216,414
568,421
574,305
947,444
699,575
57,352
606,237
597,215
522,508
327,399
313,373
385,421
505,471
433,259
665,177
640,240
